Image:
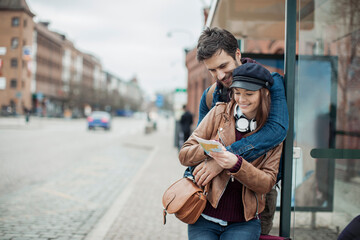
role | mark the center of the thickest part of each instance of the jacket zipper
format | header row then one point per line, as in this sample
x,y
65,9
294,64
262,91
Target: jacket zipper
x,y
222,193
231,176
221,138
257,207
232,179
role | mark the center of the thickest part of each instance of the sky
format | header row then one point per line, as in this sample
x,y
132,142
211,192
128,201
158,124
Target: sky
x,y
132,38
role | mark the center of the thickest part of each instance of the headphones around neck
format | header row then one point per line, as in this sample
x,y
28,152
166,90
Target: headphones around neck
x,y
243,124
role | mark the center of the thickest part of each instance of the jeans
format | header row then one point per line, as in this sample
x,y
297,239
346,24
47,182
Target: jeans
x,y
203,229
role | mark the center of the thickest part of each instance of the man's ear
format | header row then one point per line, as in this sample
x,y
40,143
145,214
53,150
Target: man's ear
x,y
238,56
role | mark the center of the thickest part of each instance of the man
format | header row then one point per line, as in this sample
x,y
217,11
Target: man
x,y
218,50
186,121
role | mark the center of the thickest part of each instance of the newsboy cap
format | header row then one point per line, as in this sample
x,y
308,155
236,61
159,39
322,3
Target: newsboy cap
x,y
251,76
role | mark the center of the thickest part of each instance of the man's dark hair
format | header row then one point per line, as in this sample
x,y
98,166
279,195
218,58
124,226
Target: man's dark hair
x,y
214,39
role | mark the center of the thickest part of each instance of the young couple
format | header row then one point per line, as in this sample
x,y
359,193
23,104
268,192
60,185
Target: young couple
x,y
249,117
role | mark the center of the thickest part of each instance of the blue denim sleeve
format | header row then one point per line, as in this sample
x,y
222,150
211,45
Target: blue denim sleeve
x,y
203,109
273,132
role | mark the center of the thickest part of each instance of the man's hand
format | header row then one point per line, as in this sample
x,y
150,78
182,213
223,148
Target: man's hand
x,y
206,171
225,158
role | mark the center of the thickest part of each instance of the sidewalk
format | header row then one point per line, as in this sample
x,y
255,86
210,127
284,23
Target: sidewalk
x,y
35,122
12,122
137,213
123,199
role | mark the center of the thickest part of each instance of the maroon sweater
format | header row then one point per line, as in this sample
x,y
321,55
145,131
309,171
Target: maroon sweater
x,y
230,207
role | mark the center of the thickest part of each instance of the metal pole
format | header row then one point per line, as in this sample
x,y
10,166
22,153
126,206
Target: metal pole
x,y
290,62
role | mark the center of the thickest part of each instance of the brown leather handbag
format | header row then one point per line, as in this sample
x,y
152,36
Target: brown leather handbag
x,y
185,199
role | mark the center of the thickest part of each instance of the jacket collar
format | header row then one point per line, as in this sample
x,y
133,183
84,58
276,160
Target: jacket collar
x,y
230,107
227,125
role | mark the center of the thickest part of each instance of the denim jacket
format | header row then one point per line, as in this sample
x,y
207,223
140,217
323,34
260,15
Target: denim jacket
x,y
270,135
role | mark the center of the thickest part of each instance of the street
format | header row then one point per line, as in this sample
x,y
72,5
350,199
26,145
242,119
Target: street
x,y
34,153
57,178
60,181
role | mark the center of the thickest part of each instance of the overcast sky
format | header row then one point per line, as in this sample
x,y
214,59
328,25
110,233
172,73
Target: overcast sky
x,y
130,37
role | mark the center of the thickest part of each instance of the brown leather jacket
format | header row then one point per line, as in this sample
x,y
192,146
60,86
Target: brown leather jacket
x,y
257,177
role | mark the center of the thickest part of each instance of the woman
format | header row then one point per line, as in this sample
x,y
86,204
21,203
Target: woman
x,y
236,193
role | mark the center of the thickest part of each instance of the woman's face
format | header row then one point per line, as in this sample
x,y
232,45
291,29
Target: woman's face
x,y
248,101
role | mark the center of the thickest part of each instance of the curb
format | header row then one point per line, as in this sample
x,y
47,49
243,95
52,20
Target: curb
x,y
103,226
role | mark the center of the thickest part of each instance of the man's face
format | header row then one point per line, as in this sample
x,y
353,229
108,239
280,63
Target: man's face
x,y
222,65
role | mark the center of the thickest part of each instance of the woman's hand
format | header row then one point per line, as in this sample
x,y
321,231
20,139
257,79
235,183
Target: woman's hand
x,y
206,171
225,158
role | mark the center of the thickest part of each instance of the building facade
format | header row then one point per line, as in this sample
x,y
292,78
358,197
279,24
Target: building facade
x,y
16,40
48,96
43,72
199,79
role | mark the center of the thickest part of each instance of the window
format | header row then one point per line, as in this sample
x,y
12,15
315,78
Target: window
x,y
25,23
13,83
15,21
14,42
14,62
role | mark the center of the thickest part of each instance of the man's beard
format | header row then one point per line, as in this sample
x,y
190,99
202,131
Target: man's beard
x,y
228,75
224,91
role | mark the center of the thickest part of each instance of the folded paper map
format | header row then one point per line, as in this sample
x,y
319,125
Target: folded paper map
x,y
209,145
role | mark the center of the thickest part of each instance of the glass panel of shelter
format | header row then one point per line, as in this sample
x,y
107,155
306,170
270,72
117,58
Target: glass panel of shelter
x,y
326,169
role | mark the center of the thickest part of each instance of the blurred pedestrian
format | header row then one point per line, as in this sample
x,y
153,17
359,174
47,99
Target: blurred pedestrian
x,y
27,113
218,50
186,121
237,188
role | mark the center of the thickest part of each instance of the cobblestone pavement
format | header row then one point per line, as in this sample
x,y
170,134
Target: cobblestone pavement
x,y
141,215
71,202
94,203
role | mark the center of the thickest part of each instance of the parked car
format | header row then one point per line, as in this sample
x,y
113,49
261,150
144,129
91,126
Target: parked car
x,y
99,119
124,113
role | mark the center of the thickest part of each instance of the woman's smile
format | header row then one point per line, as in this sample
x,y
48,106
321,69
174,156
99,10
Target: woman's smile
x,y
248,101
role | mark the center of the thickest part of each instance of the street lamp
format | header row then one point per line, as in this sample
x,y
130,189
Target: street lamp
x,y
183,31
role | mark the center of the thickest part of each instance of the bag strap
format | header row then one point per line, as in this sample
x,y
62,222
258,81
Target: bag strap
x,y
209,96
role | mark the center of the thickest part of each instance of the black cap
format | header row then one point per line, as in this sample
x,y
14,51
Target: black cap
x,y
251,76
